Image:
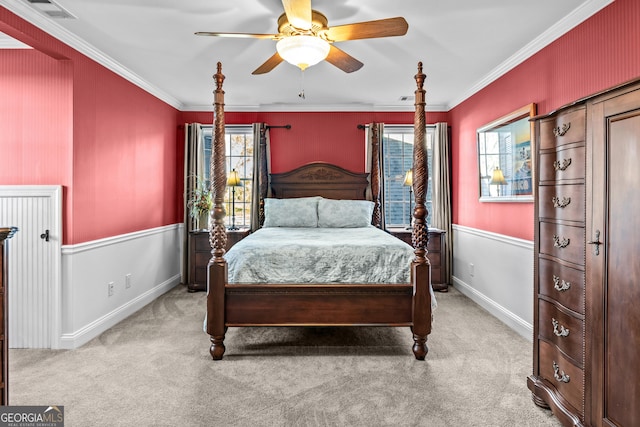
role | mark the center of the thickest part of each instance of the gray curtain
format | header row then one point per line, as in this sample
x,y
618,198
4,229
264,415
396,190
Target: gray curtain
x,y
261,169
441,193
193,170
368,165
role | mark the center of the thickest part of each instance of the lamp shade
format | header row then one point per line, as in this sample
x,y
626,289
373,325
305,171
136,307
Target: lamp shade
x,y
497,178
408,178
303,50
234,179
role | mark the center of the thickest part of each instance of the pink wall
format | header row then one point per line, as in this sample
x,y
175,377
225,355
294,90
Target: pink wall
x,y
122,164
322,136
125,157
600,53
75,123
35,118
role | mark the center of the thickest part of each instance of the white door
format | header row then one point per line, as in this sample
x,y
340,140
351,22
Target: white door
x,y
33,286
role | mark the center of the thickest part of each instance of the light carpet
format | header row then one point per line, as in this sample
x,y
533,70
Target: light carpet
x,y
154,369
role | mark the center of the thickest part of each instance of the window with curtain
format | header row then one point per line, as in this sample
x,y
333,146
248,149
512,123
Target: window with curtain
x,y
397,152
239,156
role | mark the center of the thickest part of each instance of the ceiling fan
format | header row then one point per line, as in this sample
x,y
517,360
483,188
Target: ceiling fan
x,y
304,37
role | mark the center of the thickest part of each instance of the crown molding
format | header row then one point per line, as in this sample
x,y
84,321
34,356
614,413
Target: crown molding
x,y
572,20
275,108
52,28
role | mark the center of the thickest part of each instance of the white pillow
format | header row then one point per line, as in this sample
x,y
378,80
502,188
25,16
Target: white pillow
x,y
344,213
297,212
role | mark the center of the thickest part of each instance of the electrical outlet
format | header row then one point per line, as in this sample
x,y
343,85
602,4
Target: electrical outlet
x,y
471,269
111,287
127,281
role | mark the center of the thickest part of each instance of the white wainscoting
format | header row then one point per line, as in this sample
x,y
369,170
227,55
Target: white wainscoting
x,y
496,272
153,259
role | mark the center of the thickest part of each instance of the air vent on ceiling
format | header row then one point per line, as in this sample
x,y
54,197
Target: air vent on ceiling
x,y
51,9
408,98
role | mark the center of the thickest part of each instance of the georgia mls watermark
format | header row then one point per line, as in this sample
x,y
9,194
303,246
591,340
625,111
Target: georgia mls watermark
x,y
31,416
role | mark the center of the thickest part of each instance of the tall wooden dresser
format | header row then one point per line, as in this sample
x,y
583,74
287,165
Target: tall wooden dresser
x,y
5,233
586,362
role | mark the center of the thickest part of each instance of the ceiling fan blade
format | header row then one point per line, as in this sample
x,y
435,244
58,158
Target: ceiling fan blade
x,y
370,29
343,60
269,65
298,13
239,35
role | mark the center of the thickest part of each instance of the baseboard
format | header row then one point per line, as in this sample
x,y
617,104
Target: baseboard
x,y
94,329
518,324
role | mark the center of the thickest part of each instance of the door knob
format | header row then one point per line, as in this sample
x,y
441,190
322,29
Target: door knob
x,y
596,242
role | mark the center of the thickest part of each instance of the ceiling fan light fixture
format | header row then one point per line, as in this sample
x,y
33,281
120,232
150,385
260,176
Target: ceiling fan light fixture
x,y
303,50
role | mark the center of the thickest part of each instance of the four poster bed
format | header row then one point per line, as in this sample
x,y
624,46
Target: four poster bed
x,y
386,284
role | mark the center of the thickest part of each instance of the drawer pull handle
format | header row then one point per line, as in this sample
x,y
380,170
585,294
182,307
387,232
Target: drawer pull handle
x,y
560,287
560,243
562,165
562,377
560,131
561,203
560,331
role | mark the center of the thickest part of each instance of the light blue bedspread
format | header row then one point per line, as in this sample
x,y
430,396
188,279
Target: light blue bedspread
x,y
319,255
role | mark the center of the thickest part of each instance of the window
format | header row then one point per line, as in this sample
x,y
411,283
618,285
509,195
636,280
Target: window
x,y
239,156
397,151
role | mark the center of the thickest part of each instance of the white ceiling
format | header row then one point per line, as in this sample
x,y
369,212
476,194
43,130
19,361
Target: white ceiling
x,y
464,45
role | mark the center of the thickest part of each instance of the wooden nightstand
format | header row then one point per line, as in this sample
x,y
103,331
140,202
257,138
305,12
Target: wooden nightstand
x,y
200,254
435,248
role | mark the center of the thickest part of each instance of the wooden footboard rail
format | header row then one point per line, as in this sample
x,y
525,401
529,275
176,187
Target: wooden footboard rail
x,y
318,304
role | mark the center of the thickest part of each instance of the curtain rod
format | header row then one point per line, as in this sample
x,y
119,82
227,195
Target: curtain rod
x,y
280,127
363,126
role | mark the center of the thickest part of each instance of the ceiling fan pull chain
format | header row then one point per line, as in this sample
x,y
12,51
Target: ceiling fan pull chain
x,y
301,93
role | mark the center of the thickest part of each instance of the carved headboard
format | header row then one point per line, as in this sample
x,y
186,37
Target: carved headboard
x,y
319,179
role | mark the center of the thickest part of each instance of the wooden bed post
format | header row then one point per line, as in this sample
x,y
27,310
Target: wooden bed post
x,y
217,268
420,267
264,174
375,175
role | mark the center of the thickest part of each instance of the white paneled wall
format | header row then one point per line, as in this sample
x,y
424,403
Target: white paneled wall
x,y
151,259
496,272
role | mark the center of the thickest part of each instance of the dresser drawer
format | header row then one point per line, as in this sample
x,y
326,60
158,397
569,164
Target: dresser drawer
x,y
200,255
562,241
563,284
562,165
564,330
563,202
567,378
435,240
201,242
563,129
437,278
404,235
434,259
